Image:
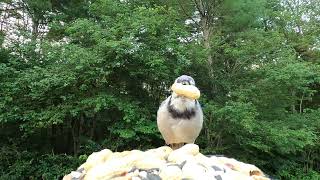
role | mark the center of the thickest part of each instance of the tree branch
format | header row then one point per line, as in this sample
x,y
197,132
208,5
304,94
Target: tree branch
x,y
199,8
185,12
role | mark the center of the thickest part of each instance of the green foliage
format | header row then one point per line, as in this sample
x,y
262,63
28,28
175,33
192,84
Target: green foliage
x,y
30,165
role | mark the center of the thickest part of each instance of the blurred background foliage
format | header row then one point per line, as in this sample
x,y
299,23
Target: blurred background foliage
x,y
82,75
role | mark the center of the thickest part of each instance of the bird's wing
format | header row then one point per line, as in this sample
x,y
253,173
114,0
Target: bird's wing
x,y
164,123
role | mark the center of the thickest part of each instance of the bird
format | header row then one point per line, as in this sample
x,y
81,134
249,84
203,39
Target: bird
x,y
180,119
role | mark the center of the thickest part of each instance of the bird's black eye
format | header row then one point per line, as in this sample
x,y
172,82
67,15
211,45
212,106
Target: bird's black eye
x,y
186,82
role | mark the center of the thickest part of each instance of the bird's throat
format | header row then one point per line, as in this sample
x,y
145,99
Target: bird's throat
x,y
180,108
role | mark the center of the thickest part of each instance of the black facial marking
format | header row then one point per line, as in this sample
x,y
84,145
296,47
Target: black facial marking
x,y
184,82
187,114
179,80
184,79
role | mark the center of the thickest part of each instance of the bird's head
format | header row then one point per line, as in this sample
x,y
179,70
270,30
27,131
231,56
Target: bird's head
x,y
181,102
185,80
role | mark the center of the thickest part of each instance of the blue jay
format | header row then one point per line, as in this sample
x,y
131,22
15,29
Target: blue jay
x,y
179,118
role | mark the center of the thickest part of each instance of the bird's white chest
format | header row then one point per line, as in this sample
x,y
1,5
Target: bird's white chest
x,y
178,130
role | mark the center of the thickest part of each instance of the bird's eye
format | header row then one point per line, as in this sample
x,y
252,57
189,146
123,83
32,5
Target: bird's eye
x,y
184,83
